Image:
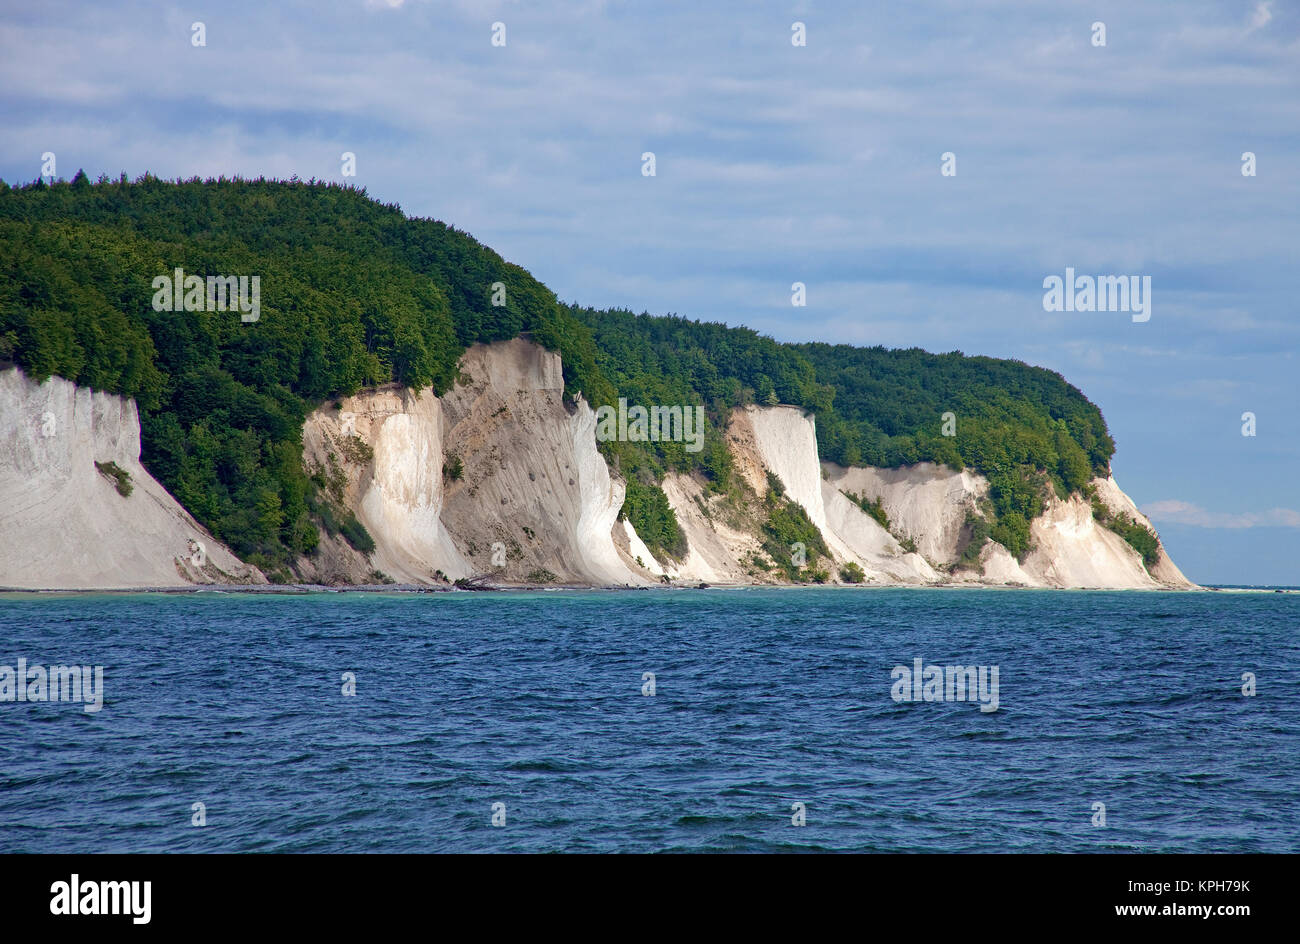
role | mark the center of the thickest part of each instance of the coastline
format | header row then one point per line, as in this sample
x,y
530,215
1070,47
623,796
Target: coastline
x,y
309,589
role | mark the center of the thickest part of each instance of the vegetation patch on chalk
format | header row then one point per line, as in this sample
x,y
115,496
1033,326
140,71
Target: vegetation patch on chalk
x,y
118,475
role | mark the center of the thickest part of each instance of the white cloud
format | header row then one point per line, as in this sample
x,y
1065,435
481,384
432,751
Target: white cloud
x,y
1263,13
1173,511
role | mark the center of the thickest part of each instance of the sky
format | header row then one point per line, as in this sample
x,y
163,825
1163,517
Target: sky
x,y
778,163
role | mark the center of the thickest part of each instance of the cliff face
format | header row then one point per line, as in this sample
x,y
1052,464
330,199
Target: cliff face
x,y
497,477
927,506
63,522
925,502
783,440
501,478
930,504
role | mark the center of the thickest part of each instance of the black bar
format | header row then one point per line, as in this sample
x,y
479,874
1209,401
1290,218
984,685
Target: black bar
x,y
937,895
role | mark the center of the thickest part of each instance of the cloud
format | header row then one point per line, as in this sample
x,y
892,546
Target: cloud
x,y
1221,391
1263,13
1173,511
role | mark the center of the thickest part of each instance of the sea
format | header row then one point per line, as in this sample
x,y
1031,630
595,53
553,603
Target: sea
x,y
710,720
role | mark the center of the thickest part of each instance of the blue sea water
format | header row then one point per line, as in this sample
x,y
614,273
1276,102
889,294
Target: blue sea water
x,y
763,699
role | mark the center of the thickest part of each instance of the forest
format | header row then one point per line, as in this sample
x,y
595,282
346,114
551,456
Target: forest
x,y
355,294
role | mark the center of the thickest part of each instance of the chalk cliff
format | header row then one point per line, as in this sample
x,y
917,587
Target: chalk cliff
x,y
498,477
65,524
930,505
926,505
501,478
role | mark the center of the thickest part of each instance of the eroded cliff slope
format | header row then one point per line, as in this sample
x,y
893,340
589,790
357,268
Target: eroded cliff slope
x,y
499,477
65,522
929,510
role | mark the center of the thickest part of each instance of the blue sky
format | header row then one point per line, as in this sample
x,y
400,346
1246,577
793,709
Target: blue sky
x,y
777,164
